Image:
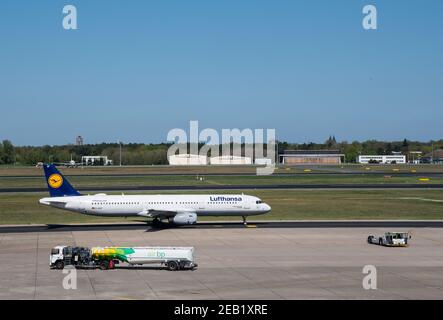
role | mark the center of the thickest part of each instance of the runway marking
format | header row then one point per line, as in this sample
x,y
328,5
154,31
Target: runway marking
x,y
251,226
421,199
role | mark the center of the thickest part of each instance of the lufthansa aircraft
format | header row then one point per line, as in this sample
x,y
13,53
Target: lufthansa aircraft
x,y
178,209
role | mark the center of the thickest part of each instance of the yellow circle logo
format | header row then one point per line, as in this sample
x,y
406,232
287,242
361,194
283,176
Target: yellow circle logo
x,y
55,181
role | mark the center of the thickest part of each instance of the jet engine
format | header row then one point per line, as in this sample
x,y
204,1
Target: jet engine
x,y
185,218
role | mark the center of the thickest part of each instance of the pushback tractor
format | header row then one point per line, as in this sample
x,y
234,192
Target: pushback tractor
x,y
174,258
391,239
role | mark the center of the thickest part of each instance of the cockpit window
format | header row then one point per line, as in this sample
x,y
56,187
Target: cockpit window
x,y
258,201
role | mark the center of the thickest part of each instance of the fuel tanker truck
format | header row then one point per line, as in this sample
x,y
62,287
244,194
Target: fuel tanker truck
x,y
174,258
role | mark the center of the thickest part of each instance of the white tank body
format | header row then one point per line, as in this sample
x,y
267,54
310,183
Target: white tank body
x,y
143,255
160,254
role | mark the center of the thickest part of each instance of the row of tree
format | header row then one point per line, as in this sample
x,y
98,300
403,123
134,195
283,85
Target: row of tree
x,y
156,154
7,152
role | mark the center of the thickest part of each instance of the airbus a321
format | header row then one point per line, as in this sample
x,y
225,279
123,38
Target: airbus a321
x,y
178,209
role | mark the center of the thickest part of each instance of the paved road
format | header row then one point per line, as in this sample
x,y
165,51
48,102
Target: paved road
x,y
244,187
224,225
399,174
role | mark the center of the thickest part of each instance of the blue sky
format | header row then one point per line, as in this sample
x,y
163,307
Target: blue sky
x,y
136,69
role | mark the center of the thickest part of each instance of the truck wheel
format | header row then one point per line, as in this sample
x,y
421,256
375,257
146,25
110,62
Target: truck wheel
x,y
104,265
60,265
369,239
172,266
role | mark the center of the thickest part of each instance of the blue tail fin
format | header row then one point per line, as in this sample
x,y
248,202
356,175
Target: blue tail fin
x,y
58,185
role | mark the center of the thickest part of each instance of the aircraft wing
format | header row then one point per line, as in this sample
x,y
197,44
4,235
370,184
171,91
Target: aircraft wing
x,y
156,213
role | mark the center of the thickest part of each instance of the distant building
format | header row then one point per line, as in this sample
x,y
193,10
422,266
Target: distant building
x,y
96,161
311,157
230,160
415,157
263,161
386,159
79,141
187,160
433,157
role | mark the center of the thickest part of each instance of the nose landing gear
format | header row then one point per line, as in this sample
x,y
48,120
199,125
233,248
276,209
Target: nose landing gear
x,y
245,223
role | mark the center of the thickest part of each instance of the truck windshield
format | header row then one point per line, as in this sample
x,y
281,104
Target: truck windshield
x,y
54,251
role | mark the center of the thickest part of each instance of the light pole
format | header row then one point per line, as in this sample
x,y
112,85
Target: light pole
x,y
432,153
120,143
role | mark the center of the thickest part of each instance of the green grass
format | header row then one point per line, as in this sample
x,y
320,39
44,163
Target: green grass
x,y
286,204
386,169
308,178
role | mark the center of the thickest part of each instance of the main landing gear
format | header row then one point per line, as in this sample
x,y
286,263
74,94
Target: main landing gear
x,y
156,223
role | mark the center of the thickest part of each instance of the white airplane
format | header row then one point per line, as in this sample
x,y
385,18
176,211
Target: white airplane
x,y
178,209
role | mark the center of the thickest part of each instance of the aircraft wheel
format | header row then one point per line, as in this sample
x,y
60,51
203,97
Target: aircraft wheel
x,y
156,222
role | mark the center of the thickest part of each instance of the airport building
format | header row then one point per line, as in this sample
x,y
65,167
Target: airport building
x,y
311,157
263,161
415,157
187,160
394,158
232,160
96,160
435,157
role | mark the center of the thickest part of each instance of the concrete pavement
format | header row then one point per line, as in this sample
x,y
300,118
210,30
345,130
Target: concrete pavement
x,y
246,263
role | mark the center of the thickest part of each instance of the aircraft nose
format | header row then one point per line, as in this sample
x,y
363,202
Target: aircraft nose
x,y
267,207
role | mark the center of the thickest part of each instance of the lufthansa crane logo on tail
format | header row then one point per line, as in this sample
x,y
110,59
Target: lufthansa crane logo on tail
x,y
55,181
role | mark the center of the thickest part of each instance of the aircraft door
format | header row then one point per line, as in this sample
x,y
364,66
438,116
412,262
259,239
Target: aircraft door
x,y
83,206
246,204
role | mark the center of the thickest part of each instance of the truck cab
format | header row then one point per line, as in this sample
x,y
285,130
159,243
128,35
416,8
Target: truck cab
x,y
396,238
57,256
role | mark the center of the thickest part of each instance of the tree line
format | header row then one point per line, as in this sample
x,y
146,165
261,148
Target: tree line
x,y
156,154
